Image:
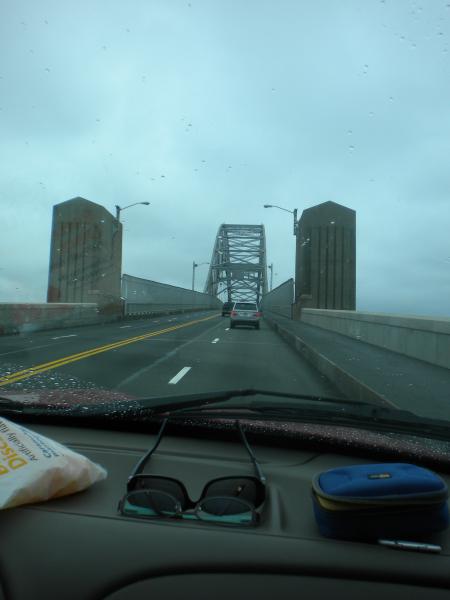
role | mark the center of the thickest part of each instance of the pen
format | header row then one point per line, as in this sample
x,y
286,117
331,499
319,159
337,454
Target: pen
x,y
412,546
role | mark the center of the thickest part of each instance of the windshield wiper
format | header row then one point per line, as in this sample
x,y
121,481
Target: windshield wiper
x,y
317,409
158,404
188,401
303,408
359,414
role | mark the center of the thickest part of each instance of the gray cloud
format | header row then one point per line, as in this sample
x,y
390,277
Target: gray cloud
x,y
236,104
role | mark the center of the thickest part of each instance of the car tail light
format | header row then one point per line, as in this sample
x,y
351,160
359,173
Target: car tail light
x,y
233,313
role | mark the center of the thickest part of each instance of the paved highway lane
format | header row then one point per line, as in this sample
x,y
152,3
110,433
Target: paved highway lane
x,y
87,357
179,354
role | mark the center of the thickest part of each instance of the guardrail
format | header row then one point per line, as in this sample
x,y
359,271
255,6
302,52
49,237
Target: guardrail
x,y
144,297
424,338
141,298
139,311
280,299
368,373
27,317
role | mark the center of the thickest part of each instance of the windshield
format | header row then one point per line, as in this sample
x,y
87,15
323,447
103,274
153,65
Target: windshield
x,y
166,162
245,306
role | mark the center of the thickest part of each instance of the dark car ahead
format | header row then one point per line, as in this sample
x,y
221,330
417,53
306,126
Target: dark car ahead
x,y
227,308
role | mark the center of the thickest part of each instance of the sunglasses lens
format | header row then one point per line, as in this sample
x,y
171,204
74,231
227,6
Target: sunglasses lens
x,y
150,503
244,488
160,484
226,509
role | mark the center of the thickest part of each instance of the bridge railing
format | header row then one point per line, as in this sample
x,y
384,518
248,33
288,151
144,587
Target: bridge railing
x,y
27,317
145,297
424,338
280,299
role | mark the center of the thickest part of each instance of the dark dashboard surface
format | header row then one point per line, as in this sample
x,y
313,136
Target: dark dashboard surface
x,y
80,547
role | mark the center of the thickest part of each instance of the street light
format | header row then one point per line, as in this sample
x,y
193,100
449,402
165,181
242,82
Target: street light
x,y
119,210
116,226
270,267
293,212
194,266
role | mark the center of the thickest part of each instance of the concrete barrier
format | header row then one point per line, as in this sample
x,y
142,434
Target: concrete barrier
x,y
141,298
424,338
139,311
144,297
350,386
26,318
280,299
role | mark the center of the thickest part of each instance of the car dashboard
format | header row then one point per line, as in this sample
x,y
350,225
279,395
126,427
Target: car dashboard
x,y
80,547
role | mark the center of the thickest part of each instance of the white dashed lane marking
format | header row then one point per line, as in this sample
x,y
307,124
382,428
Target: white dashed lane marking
x,y
179,375
64,336
215,341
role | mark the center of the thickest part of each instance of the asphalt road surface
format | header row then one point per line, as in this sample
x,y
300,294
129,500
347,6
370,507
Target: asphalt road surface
x,y
171,355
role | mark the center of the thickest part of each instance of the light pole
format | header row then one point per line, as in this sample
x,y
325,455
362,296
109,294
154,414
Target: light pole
x,y
293,212
194,266
119,209
116,231
270,267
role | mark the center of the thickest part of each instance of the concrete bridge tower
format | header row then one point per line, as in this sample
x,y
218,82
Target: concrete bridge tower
x,y
85,254
326,258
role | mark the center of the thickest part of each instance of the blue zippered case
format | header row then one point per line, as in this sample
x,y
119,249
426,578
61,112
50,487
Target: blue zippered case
x,y
387,500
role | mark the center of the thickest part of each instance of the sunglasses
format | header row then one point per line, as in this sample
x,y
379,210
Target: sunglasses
x,y
226,500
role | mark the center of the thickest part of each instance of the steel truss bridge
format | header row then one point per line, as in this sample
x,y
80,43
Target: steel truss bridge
x,y
238,269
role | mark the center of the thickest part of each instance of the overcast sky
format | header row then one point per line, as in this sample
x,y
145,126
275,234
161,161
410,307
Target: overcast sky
x,y
210,108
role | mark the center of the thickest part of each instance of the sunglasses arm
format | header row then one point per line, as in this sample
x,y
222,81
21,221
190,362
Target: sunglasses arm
x,y
261,477
141,464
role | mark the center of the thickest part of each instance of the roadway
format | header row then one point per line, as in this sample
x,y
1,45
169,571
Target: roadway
x,y
170,355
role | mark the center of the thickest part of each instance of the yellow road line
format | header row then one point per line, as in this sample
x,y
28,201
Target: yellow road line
x,y
86,352
31,371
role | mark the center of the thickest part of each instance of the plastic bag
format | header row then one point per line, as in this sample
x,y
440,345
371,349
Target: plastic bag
x,y
34,468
